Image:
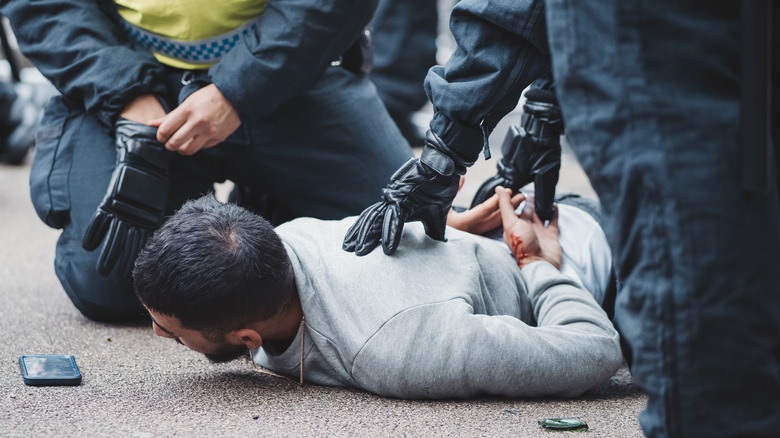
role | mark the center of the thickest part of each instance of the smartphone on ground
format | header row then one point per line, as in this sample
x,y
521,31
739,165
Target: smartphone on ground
x,y
49,370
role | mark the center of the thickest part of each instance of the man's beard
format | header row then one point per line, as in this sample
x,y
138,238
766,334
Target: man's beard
x,y
226,353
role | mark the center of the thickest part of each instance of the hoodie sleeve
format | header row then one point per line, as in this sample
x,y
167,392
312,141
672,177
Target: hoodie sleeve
x,y
444,350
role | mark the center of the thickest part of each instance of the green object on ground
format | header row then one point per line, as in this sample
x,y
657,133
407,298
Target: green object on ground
x,y
570,424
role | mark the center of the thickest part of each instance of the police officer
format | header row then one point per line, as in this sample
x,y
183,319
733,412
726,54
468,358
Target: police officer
x,y
162,99
652,95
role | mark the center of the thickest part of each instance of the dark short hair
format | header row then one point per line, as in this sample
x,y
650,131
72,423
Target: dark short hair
x,y
214,266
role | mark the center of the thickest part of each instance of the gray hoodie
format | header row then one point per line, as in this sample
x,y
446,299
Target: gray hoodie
x,y
440,320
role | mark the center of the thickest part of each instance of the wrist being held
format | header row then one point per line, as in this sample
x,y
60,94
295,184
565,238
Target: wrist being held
x,y
521,252
143,109
482,218
529,239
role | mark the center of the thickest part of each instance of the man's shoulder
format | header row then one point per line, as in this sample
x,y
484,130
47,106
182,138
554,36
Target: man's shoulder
x,y
310,224
312,231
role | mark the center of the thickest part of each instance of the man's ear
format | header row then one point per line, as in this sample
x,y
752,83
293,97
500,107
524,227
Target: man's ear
x,y
250,338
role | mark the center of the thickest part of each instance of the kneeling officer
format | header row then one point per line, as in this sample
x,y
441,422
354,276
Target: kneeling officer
x,y
160,100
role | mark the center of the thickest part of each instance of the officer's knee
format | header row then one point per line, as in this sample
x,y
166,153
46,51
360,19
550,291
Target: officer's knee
x,y
102,313
98,298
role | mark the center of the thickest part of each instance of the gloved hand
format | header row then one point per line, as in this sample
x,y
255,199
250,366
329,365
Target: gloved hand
x,y
532,153
134,205
422,189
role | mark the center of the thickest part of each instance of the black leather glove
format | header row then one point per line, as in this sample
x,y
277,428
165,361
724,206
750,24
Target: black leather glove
x,y
532,153
421,190
134,205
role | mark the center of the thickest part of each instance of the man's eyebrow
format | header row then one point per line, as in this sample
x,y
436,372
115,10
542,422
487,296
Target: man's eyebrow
x,y
162,328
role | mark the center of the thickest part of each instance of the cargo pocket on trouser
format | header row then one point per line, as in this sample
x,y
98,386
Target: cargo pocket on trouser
x,y
51,166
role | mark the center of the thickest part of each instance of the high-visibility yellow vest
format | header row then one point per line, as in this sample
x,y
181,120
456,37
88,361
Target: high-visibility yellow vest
x,y
189,34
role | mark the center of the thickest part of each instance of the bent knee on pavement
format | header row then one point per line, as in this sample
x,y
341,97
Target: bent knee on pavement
x,y
98,298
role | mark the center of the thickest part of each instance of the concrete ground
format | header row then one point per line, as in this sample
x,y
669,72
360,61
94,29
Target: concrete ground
x,y
139,385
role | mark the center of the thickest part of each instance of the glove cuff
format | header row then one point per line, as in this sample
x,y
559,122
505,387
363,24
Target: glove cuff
x,y
129,129
542,106
455,163
139,141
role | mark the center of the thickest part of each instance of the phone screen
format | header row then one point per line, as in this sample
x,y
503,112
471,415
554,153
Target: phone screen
x,y
58,369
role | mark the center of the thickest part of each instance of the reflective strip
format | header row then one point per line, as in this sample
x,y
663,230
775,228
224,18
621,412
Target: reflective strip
x,y
205,51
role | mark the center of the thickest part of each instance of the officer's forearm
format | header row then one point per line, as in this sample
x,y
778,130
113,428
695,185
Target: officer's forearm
x,y
143,109
484,78
296,41
79,49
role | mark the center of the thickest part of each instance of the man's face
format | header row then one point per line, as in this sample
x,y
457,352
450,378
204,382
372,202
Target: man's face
x,y
216,351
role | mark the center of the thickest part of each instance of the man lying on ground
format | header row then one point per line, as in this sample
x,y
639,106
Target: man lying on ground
x,y
461,318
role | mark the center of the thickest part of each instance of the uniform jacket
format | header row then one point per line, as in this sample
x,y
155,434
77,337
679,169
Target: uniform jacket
x,y
502,48
80,48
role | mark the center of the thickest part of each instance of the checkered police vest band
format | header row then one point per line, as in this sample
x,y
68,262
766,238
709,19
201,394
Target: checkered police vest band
x,y
205,51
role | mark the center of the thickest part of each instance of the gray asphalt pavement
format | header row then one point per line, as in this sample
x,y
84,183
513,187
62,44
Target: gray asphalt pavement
x,y
138,385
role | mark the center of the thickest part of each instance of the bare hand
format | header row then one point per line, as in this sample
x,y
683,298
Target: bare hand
x,y
483,217
527,236
203,120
